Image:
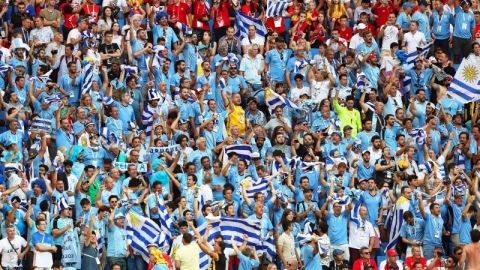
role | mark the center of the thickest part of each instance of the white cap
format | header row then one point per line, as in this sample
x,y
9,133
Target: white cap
x,y
361,26
255,155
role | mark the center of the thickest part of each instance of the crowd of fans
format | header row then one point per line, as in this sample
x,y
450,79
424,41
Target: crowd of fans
x,y
115,106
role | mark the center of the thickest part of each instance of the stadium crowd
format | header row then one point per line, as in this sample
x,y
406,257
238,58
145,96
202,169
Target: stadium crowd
x,y
239,134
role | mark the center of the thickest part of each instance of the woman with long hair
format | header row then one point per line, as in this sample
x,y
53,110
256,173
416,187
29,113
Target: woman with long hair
x,y
107,19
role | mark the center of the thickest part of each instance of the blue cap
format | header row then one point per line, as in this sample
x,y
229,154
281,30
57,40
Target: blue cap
x,y
161,15
407,5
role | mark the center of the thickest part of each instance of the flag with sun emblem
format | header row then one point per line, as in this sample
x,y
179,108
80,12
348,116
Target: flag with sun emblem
x,y
465,86
142,231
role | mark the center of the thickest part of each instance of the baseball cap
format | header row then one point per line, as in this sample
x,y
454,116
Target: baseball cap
x,y
361,26
337,252
255,155
365,151
407,5
392,252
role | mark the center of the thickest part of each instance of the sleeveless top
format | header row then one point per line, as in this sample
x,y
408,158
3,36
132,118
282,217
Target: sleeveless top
x,y
220,264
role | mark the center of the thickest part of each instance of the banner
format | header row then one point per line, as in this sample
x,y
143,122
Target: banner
x,y
123,166
40,124
169,149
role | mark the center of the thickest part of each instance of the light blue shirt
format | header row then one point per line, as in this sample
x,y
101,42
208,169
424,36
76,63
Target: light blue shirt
x,y
337,228
464,23
433,230
441,24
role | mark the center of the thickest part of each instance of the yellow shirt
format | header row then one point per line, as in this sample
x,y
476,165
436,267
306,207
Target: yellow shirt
x,y
189,256
237,118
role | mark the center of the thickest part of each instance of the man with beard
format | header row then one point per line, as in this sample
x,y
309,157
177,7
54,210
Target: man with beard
x,y
276,60
75,35
163,30
151,113
207,78
365,170
180,73
366,134
418,108
140,49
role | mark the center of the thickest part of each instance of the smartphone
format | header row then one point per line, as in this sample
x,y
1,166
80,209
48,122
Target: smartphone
x,y
33,200
54,199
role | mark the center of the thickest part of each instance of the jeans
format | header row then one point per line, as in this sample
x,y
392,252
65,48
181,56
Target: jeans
x,y
428,251
136,262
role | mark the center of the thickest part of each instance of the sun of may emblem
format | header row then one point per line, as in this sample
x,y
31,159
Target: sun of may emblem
x,y
470,73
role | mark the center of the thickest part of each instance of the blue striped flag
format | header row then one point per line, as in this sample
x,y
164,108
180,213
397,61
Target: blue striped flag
x,y
465,86
87,79
237,228
419,136
273,100
129,69
355,213
142,231
243,151
242,22
268,247
166,220
253,186
53,99
395,221
362,81
41,124
214,232
300,65
412,56
277,8
4,68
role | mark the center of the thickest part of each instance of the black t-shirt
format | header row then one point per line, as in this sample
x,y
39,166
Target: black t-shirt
x,y
108,48
387,175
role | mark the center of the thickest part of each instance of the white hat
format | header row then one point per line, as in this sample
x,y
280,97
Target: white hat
x,y
19,44
361,26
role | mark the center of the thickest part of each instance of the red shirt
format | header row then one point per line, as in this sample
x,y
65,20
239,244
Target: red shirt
x,y
360,265
270,25
70,18
347,33
410,260
179,12
91,11
221,15
200,16
477,31
372,29
382,12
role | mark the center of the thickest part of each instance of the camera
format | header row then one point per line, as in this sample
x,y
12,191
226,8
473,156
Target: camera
x,y
440,253
54,52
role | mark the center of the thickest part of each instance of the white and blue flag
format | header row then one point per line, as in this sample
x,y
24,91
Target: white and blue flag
x,y
242,22
87,79
465,86
142,231
277,8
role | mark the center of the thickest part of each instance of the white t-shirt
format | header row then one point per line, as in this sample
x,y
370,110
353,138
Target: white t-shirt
x,y
320,90
414,40
355,41
9,255
359,236
296,92
260,41
390,35
72,183
74,34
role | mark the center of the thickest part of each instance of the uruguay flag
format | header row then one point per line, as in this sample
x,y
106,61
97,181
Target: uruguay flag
x,y
142,231
395,221
465,86
87,79
260,185
244,151
273,100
